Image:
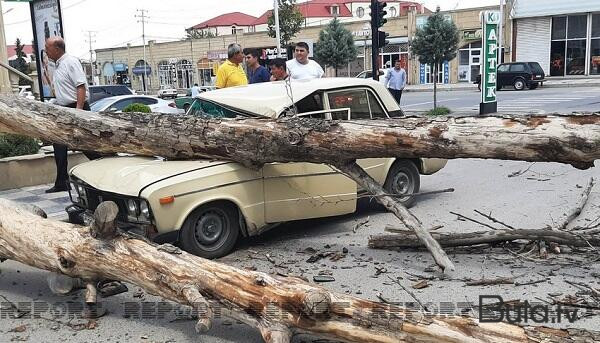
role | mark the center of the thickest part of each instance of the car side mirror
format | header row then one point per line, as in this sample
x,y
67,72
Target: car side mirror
x,y
112,109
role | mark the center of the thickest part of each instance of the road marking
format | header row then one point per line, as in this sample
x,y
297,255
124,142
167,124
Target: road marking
x,y
429,102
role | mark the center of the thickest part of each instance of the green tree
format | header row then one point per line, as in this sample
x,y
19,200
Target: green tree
x,y
335,47
198,34
290,21
435,43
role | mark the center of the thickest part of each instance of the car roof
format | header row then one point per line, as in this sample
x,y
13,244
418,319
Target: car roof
x,y
269,99
120,97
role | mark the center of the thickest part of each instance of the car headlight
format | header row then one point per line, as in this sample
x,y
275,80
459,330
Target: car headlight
x,y
74,193
144,210
132,208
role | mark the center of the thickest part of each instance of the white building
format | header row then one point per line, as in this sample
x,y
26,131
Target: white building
x,y
562,36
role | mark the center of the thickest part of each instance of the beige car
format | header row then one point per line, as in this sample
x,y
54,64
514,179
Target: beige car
x,y
206,205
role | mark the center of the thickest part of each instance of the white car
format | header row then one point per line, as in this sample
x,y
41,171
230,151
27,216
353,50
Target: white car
x,y
367,74
118,103
167,93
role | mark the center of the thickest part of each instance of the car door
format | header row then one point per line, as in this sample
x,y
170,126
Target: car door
x,y
503,75
517,70
300,190
363,105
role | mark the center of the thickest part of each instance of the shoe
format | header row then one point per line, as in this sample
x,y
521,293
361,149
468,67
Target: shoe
x,y
58,189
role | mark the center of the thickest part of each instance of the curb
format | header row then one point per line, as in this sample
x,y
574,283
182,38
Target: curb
x,y
546,85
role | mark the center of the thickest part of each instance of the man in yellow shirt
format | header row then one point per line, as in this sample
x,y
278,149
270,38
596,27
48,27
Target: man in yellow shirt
x,y
231,73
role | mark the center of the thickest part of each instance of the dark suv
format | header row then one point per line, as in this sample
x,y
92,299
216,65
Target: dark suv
x,y
520,75
101,92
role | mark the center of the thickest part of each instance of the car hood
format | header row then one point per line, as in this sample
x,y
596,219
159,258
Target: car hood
x,y
129,175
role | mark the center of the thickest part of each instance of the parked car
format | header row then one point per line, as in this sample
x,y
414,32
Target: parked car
x,y
520,75
206,205
101,92
368,74
118,103
167,93
185,102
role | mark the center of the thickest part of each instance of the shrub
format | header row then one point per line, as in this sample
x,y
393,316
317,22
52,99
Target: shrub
x,y
140,108
439,111
16,145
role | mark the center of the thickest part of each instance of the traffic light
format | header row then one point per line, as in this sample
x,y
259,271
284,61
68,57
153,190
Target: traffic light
x,y
381,13
382,39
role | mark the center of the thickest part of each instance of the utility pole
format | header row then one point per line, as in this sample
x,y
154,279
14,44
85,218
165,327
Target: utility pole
x,y
91,35
277,32
143,17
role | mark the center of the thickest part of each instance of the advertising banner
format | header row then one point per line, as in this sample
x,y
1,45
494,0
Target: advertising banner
x,y
46,19
490,21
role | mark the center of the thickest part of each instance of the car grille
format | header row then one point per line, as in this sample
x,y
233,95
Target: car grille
x,y
95,197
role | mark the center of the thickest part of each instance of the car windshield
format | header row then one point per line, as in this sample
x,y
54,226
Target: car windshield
x,y
202,107
100,104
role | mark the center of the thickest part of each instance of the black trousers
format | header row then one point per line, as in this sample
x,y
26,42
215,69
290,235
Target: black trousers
x,y
397,94
61,160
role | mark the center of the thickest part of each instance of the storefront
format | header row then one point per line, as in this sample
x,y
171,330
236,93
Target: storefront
x,y
121,74
563,38
427,72
469,56
142,72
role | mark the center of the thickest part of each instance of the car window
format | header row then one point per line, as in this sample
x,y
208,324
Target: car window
x,y
145,101
355,99
121,104
205,108
376,110
311,103
516,68
536,68
98,105
503,68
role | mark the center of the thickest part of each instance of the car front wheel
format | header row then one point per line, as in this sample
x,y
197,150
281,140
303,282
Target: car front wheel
x,y
211,230
519,84
403,179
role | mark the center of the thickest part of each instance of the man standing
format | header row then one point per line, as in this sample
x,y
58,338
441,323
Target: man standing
x,y
195,90
301,68
395,80
231,73
71,90
279,70
256,72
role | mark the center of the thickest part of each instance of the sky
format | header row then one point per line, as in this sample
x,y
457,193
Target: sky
x,y
114,24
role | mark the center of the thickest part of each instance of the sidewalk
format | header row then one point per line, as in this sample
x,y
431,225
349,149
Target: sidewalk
x,y
469,86
53,203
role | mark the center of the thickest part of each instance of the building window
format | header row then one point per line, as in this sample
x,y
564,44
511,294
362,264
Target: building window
x,y
393,12
595,45
360,12
568,45
335,10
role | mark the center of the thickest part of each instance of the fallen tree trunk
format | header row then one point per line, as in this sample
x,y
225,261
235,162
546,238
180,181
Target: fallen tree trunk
x,y
407,239
570,139
278,306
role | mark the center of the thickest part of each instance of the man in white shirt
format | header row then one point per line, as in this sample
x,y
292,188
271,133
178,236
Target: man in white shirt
x,y
301,68
71,90
395,80
195,90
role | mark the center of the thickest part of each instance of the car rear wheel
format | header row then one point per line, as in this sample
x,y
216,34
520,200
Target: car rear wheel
x,y
519,84
211,230
403,179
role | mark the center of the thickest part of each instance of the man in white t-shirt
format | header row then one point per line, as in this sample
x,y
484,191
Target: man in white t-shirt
x,y
195,90
301,68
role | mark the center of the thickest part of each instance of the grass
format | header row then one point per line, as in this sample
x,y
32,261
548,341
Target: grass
x,y
439,111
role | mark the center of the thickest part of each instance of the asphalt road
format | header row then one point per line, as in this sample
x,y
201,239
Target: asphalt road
x,y
540,100
537,197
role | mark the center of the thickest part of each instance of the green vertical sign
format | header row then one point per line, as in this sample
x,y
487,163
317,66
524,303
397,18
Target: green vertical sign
x,y
490,21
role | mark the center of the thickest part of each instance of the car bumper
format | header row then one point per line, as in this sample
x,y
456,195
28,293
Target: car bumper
x,y
81,216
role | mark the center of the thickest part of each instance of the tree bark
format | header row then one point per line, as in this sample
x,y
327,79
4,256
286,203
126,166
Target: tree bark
x,y
278,306
408,239
566,139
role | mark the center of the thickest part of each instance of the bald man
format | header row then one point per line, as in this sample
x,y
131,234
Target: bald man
x,y
71,90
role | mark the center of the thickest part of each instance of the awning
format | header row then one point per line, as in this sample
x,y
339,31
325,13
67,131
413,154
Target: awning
x,y
108,70
120,67
140,70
